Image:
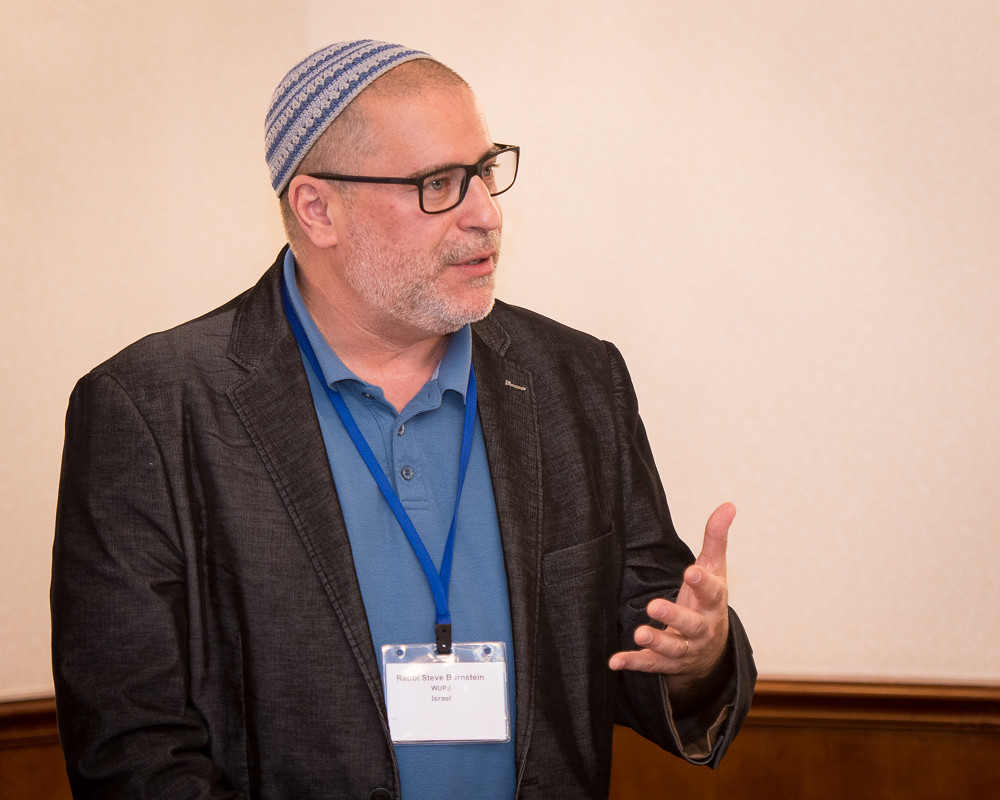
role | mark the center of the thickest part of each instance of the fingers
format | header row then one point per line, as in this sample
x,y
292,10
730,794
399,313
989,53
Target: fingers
x,y
680,620
713,548
709,589
672,649
667,653
695,626
692,644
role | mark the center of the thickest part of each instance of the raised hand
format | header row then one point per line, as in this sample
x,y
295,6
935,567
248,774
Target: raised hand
x,y
693,642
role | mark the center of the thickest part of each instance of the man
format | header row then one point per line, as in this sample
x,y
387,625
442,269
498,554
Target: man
x,y
363,533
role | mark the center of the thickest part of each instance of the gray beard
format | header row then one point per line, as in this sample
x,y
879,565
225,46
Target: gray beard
x,y
411,294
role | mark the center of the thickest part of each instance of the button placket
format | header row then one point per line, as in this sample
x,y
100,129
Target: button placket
x,y
405,466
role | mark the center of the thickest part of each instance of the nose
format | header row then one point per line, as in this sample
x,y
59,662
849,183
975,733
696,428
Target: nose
x,y
479,209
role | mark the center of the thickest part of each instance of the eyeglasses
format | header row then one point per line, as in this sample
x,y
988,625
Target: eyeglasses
x,y
445,188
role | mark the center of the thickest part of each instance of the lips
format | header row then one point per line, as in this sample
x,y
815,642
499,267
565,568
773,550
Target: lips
x,y
479,259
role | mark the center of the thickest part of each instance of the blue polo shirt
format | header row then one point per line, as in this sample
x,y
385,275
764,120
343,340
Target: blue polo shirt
x,y
418,449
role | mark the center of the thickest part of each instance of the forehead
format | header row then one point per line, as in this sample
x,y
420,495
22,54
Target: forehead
x,y
417,130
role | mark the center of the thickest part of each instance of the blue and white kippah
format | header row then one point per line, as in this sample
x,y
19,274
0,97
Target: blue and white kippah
x,y
313,94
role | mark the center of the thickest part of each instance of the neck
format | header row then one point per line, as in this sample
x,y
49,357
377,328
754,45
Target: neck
x,y
398,360
400,371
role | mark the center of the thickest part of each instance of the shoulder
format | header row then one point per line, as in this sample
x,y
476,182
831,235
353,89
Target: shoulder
x,y
167,356
228,340
201,358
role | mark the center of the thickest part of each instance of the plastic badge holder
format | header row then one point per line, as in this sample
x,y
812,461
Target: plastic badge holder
x,y
446,699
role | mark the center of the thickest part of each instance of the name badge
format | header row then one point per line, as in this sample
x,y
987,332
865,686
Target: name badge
x,y
437,699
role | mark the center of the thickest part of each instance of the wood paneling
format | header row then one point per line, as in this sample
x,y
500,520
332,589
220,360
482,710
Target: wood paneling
x,y
807,740
31,762
803,740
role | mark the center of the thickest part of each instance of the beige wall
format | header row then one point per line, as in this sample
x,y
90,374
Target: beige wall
x,y
785,213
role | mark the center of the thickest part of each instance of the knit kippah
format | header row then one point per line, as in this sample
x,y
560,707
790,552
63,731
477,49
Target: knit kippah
x,y
313,94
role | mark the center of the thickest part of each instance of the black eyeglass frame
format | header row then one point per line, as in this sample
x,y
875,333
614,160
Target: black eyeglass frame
x,y
471,171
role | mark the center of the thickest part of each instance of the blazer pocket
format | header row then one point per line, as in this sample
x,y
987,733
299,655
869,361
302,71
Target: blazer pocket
x,y
578,561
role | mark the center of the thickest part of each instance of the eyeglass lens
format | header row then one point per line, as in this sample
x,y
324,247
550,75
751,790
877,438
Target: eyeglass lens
x,y
444,190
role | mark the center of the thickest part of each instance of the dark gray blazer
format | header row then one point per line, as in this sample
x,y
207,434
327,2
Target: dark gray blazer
x,y
209,635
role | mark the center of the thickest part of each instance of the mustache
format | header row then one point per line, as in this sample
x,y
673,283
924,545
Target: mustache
x,y
467,250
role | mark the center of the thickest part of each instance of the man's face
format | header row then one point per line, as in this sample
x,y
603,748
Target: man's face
x,y
421,273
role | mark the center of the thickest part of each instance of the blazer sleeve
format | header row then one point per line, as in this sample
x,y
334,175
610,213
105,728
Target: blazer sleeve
x,y
653,568
119,611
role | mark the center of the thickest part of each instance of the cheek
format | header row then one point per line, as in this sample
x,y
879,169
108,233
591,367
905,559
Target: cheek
x,y
401,232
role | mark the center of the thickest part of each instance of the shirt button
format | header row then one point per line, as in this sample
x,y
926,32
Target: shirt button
x,y
402,429
407,473
380,794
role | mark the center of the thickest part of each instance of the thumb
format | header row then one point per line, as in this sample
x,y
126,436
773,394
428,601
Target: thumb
x,y
713,548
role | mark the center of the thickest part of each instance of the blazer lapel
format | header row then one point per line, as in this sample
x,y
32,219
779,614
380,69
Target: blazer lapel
x,y
275,404
508,415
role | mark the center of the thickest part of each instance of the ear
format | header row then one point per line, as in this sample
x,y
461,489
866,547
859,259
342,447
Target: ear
x,y
315,206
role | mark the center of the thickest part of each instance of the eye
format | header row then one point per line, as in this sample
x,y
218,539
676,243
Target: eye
x,y
487,172
438,183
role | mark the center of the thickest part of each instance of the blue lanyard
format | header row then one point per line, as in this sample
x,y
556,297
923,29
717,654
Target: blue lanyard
x,y
438,581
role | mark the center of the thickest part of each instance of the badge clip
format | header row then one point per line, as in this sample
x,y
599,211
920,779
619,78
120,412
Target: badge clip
x,y
442,635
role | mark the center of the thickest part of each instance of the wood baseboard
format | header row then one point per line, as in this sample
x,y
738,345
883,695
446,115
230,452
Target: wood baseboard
x,y
24,723
803,740
886,706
